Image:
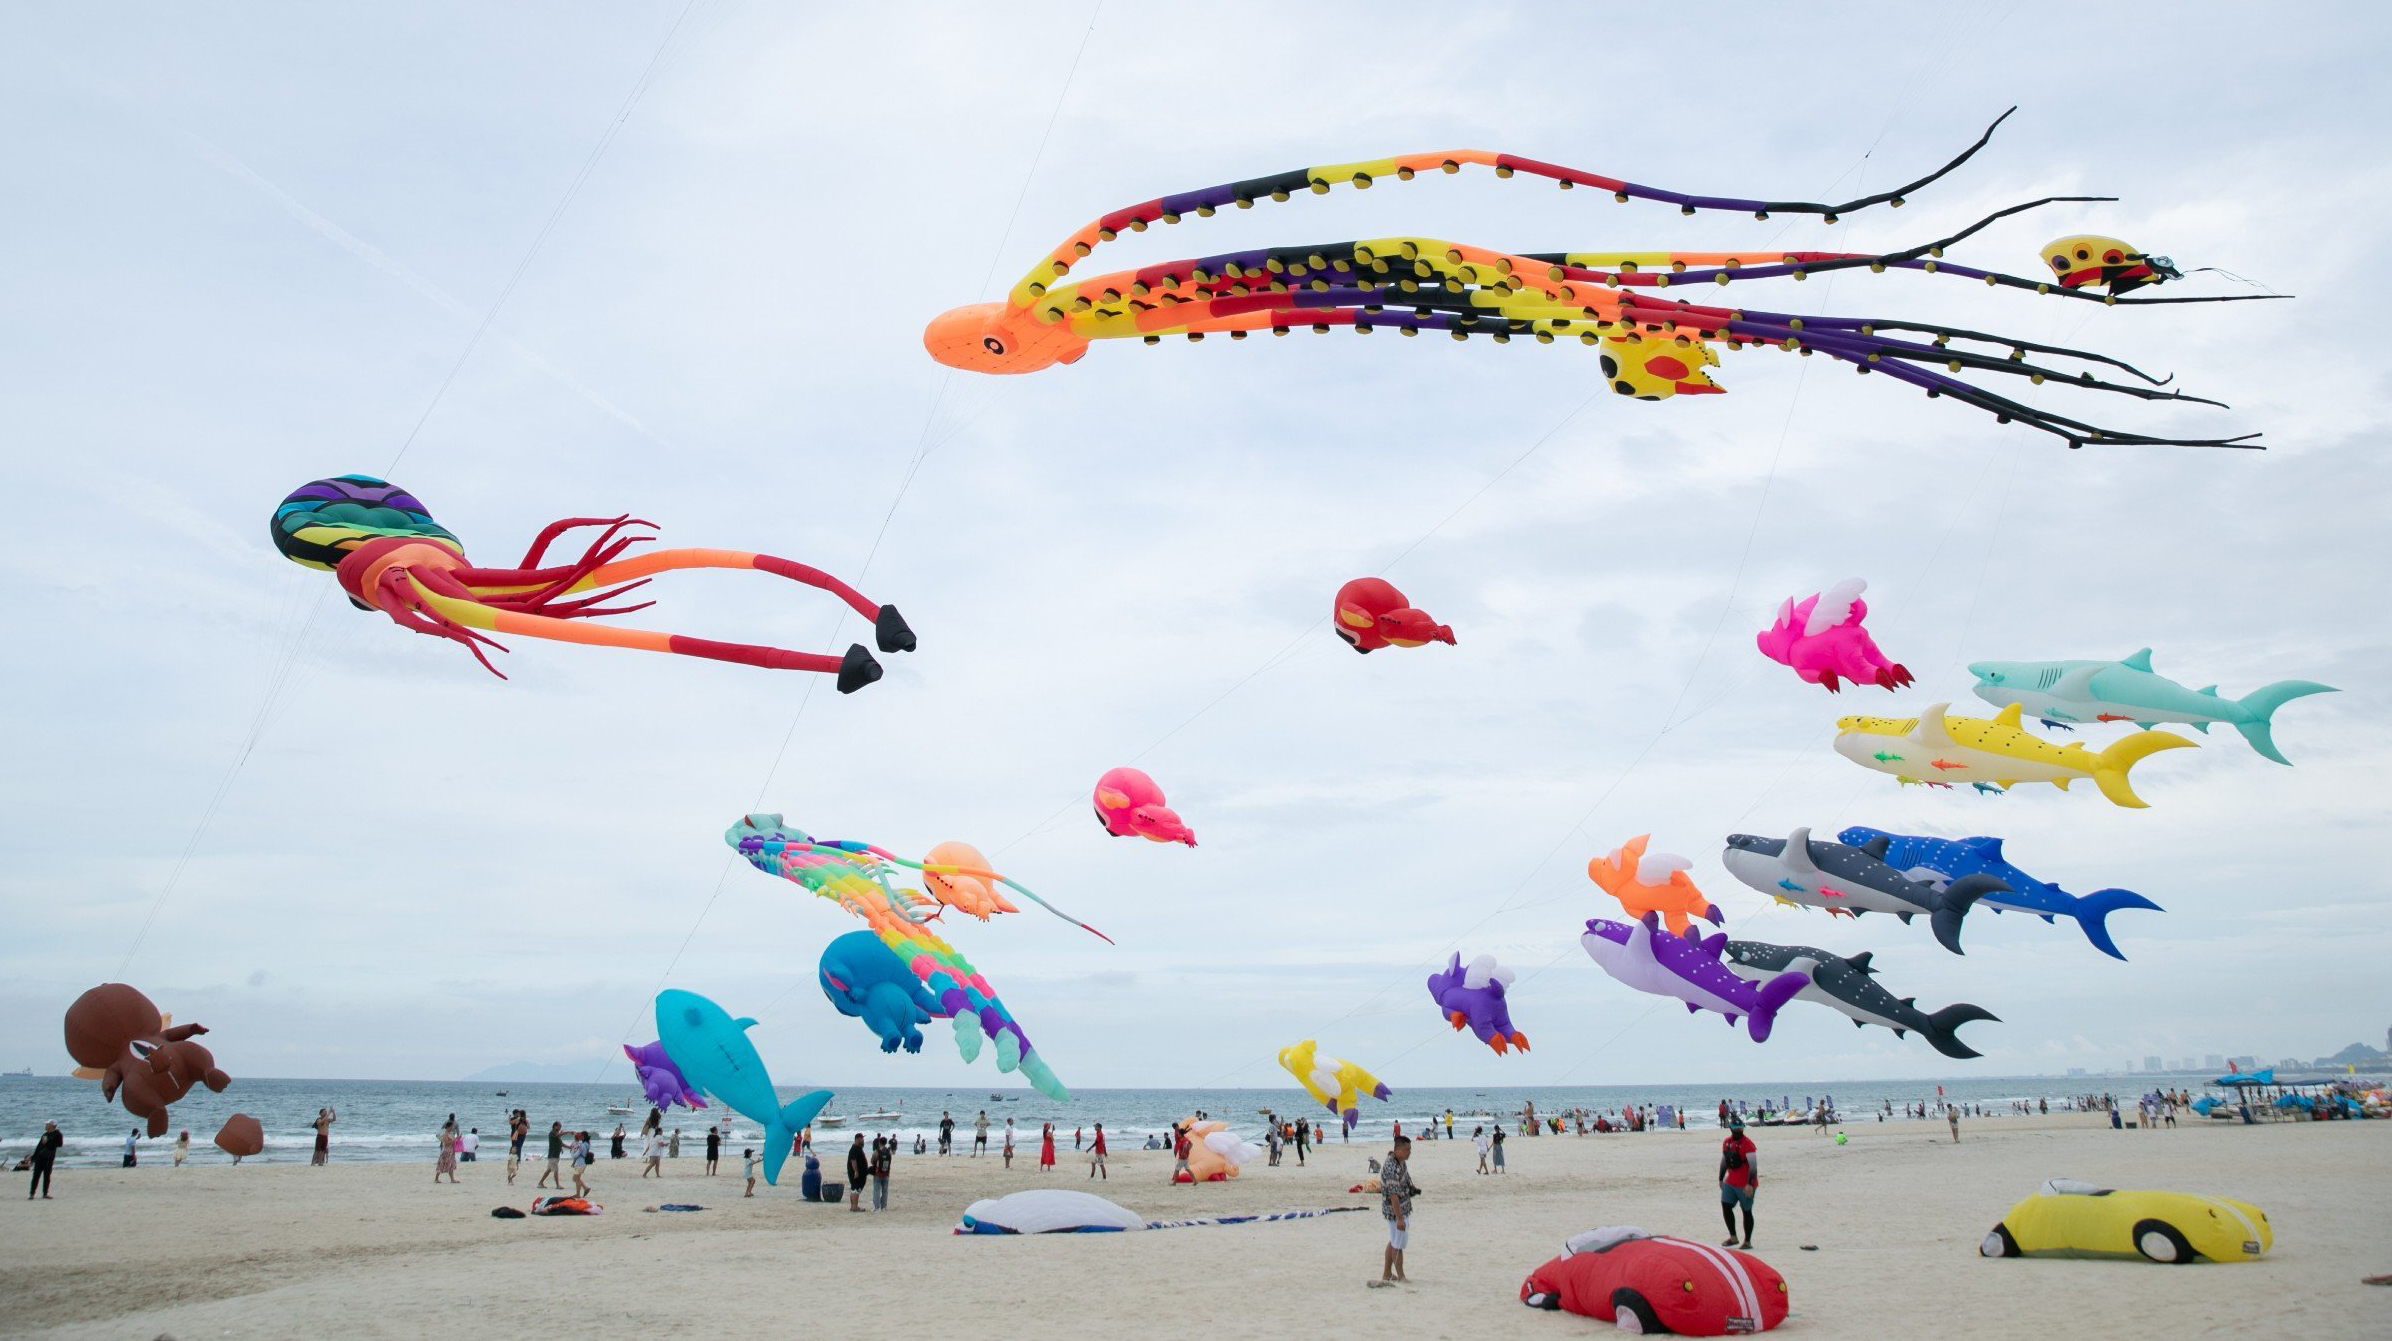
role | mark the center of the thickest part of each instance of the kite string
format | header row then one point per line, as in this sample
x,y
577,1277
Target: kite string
x,y
923,446
285,662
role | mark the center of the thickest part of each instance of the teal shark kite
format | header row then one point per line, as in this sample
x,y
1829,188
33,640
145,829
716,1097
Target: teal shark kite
x,y
2064,693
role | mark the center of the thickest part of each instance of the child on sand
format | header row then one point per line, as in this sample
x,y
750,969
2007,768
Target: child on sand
x,y
182,1148
750,1158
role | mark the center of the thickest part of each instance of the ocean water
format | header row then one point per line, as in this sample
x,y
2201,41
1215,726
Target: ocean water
x,y
395,1120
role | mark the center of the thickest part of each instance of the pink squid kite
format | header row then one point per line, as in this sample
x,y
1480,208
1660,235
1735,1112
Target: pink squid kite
x,y
1822,639
1130,805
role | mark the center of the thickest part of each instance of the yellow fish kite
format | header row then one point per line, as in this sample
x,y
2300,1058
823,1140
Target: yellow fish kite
x,y
1338,1085
1943,751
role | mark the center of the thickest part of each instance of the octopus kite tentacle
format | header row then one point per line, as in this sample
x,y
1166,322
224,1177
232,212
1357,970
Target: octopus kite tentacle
x,y
854,876
389,555
1652,349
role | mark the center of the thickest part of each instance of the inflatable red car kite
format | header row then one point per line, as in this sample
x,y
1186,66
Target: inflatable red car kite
x,y
1645,1283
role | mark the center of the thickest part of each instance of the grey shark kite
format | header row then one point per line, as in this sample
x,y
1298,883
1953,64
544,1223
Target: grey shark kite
x,y
1847,986
1851,880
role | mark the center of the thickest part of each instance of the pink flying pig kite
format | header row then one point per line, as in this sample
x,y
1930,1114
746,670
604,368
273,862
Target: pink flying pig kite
x,y
1822,639
1130,805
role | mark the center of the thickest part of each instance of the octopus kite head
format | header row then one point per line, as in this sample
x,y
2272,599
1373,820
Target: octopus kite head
x,y
2093,262
998,338
320,522
1657,367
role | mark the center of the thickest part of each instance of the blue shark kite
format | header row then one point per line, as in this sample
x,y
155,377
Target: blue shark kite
x,y
2064,693
713,1050
1940,861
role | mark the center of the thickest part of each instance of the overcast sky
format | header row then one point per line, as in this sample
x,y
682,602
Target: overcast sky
x,y
245,248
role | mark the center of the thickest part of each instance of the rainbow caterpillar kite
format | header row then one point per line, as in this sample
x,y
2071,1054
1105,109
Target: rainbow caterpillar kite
x,y
856,877
1652,349
391,556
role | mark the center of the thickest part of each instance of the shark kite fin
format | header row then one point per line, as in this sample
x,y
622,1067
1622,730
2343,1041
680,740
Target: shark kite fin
x,y
1859,963
2139,661
2010,717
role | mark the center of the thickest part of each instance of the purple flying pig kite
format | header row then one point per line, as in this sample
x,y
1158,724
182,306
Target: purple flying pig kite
x,y
1472,998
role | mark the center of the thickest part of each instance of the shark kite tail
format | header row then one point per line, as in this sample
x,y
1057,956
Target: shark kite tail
x,y
1941,1025
2261,704
2092,911
781,1133
1953,904
1774,993
2111,765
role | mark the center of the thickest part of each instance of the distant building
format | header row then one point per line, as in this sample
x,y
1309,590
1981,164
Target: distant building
x,y
2076,1070
2214,1062
2152,1064
2246,1063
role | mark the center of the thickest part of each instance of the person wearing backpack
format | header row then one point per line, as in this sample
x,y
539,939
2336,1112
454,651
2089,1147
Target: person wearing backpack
x,y
1739,1179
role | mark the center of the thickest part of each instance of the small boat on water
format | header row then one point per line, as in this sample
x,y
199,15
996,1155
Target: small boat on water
x,y
831,1120
620,1110
884,1117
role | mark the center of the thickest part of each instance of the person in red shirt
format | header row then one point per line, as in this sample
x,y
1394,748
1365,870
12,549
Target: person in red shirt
x,y
1739,1178
1179,1153
1096,1156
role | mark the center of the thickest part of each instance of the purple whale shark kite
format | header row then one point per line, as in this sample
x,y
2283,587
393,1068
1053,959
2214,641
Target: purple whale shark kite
x,y
1688,967
1472,998
662,1080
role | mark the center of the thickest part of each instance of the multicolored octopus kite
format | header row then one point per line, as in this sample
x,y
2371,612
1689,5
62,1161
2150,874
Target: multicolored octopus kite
x,y
391,556
1652,349
856,877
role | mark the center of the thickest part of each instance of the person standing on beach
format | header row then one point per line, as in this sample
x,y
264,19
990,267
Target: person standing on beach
x,y
1952,1116
45,1157
653,1149
1448,1124
1180,1148
446,1160
714,1147
1096,1156
1046,1146
470,1145
980,1134
884,1162
325,1117
582,1159
1495,1139
946,1133
859,1168
1485,1147
1303,1141
519,1129
615,1148
1396,1191
182,1149
1009,1143
132,1145
750,1157
1739,1179
556,1151
1270,1139
672,1148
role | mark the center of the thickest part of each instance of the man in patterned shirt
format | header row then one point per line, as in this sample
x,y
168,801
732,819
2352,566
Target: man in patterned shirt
x,y
1395,1204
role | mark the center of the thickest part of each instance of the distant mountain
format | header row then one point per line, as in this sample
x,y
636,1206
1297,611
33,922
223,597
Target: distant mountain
x,y
2356,1052
555,1073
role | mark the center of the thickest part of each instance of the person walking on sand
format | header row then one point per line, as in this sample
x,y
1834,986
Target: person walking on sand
x,y
556,1151
45,1157
1739,1179
132,1148
859,1168
1480,1143
1046,1146
980,1134
714,1147
582,1159
182,1148
1396,1191
325,1117
653,1149
884,1162
1096,1156
750,1158
1009,1143
1181,1146
1952,1116
446,1161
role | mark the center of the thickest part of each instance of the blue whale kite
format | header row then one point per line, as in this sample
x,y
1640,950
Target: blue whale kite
x,y
713,1050
1943,860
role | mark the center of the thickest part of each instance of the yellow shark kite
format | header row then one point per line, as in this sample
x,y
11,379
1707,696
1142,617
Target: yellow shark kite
x,y
1933,748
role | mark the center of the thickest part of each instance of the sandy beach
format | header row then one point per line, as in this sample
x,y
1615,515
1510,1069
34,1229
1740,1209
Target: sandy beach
x,y
1895,1217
